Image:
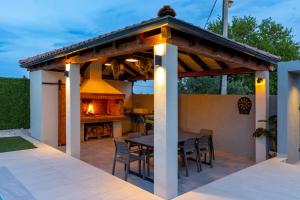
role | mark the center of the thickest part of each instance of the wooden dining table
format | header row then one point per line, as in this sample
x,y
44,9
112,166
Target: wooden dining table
x,y
148,142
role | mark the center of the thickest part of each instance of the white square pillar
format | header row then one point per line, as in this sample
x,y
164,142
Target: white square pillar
x,y
73,110
166,122
261,112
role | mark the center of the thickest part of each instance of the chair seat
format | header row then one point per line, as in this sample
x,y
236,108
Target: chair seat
x,y
133,157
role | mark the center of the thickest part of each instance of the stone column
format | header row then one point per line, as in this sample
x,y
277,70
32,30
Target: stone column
x,y
261,112
73,110
165,121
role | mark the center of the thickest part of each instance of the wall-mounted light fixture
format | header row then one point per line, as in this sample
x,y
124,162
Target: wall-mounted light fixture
x,y
259,80
107,64
158,60
66,73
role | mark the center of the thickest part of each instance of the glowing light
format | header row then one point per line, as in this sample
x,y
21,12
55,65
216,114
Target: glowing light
x,y
160,75
107,64
131,60
68,67
90,109
159,49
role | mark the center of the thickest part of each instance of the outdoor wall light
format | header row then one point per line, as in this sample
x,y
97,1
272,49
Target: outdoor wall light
x,y
158,60
259,80
66,73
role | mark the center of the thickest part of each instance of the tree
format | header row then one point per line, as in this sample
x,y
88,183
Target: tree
x,y
266,35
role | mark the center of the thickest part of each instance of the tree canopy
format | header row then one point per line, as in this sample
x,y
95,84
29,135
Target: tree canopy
x,y
266,35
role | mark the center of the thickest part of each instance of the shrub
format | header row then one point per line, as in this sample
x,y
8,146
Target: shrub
x,y
14,103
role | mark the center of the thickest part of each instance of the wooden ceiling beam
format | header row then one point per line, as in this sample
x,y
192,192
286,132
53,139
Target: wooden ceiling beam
x,y
216,54
184,65
222,64
121,49
199,61
130,69
84,67
204,73
133,68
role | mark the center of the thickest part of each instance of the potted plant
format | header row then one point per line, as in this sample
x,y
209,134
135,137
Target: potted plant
x,y
270,133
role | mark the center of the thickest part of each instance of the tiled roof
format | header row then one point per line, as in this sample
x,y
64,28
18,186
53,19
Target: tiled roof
x,y
136,28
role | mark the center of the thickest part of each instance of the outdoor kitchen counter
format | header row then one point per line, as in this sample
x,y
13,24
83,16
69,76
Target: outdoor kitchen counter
x,y
101,118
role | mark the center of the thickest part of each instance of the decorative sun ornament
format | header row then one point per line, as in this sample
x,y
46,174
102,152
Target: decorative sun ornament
x,y
117,69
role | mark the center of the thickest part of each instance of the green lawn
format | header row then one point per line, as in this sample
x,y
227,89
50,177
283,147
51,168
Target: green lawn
x,y
14,144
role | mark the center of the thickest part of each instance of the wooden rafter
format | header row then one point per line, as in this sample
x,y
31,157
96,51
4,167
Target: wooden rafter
x,y
217,54
130,70
184,65
222,64
84,67
199,61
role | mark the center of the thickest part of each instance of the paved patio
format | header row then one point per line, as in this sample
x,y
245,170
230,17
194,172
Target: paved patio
x,y
99,153
269,180
50,174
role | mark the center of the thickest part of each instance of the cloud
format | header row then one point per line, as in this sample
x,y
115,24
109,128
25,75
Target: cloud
x,y
31,27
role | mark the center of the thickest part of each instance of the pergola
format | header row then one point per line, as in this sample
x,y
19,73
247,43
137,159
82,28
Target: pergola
x,y
178,49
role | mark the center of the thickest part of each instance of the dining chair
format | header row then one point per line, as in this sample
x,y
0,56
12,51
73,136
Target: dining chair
x,y
125,156
209,132
188,150
134,147
204,149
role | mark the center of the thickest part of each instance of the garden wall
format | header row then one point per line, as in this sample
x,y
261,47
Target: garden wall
x,y
232,131
14,103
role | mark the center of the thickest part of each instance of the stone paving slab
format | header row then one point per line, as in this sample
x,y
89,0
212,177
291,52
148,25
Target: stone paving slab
x,y
269,180
48,173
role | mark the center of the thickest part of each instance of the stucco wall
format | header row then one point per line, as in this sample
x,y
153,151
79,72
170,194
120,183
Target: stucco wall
x,y
232,131
288,110
44,106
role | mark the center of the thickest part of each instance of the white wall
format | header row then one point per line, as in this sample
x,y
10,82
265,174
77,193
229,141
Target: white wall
x,y
35,104
44,106
288,110
233,132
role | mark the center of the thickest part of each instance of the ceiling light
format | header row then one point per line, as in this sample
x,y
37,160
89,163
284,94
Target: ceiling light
x,y
131,60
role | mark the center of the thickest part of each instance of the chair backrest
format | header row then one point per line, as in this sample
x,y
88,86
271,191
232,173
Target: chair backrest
x,y
134,135
190,144
203,141
150,132
121,148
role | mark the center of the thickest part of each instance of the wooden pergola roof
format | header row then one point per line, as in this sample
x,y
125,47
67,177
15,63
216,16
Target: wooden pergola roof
x,y
201,52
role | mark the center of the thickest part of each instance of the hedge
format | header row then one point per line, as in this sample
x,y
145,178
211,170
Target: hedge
x,y
14,103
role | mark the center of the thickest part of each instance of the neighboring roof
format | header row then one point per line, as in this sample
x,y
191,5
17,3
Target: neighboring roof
x,y
147,25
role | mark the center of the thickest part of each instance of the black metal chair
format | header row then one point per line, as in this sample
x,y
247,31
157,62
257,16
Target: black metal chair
x,y
125,156
204,149
209,133
189,150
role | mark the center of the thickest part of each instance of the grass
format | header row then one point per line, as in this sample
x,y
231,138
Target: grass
x,y
14,144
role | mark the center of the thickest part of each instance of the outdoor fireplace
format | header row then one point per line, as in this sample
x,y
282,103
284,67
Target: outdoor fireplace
x,y
97,107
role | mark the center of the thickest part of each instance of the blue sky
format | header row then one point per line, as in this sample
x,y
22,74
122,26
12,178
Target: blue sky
x,y
29,27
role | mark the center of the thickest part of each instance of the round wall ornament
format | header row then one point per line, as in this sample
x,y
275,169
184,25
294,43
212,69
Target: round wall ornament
x,y
244,105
